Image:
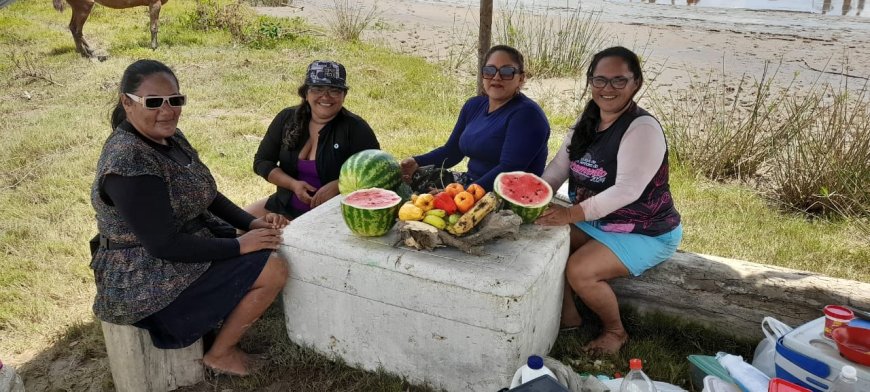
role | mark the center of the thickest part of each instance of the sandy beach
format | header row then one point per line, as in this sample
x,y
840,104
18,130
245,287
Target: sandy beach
x,y
679,41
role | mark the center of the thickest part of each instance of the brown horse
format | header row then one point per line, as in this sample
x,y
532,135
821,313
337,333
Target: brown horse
x,y
81,9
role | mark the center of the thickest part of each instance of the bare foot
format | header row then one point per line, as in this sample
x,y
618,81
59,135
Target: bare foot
x,y
234,362
608,343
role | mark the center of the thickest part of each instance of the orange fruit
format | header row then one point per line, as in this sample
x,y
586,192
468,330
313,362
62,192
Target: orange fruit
x,y
476,190
454,189
464,201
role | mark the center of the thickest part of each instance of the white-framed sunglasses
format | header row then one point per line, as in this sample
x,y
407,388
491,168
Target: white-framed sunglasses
x,y
154,102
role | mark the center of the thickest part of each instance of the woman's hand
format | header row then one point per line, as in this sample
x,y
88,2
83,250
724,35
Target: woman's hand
x,y
560,216
301,189
409,166
325,193
270,221
259,239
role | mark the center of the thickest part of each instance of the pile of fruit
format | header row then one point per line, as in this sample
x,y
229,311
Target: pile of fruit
x,y
454,209
370,181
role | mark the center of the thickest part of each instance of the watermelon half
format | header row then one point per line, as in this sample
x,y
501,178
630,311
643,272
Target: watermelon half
x,y
524,193
370,212
369,169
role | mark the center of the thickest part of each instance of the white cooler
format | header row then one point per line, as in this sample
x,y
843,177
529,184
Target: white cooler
x,y
443,318
805,357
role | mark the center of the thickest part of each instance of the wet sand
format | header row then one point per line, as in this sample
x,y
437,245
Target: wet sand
x,y
678,40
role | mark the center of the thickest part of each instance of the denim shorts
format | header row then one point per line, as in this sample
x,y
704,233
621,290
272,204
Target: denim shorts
x,y
637,252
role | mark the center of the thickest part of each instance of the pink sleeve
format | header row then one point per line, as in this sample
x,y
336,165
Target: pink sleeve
x,y
640,155
557,170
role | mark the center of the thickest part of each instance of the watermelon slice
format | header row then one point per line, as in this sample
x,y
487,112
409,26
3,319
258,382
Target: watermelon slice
x,y
524,193
370,212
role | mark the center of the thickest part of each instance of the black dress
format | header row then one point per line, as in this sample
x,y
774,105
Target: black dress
x,y
142,204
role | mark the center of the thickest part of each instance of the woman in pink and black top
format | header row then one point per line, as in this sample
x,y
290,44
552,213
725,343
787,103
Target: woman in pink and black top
x,y
623,220
305,145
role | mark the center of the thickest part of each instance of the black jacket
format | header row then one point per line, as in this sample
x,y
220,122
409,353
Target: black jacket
x,y
345,135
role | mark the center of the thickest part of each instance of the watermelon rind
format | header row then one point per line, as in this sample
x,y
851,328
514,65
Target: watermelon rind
x,y
368,221
529,212
369,169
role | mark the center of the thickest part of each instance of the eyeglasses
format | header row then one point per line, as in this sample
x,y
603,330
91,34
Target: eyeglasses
x,y
333,92
618,82
507,72
154,102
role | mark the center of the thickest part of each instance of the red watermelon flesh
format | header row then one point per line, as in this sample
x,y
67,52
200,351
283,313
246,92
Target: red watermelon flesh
x,y
524,193
372,198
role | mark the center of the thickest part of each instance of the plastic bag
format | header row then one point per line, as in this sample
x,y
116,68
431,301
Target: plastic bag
x,y
764,353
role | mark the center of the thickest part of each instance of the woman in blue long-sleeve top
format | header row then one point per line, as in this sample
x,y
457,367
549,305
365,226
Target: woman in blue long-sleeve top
x,y
500,131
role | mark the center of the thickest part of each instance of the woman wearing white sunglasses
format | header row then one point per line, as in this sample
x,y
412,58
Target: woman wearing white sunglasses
x,y
167,258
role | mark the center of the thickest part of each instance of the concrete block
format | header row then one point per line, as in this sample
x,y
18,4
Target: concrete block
x,y
138,366
443,318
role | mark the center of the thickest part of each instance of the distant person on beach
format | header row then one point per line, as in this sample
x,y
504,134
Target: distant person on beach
x,y
623,219
305,145
500,131
167,258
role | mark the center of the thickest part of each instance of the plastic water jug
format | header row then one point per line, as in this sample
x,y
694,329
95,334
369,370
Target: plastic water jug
x,y
9,380
533,369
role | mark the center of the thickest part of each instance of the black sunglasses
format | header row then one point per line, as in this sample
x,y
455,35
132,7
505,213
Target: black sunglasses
x,y
155,102
506,73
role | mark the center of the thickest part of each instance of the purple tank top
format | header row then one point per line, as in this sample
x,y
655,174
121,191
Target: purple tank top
x,y
308,173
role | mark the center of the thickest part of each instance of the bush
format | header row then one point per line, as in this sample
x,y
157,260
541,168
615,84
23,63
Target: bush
x,y
723,131
242,23
553,45
823,166
348,22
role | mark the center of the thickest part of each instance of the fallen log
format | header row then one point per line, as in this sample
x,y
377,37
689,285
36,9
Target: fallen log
x,y
735,295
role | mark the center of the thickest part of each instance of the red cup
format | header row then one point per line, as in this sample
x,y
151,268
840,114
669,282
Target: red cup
x,y
835,317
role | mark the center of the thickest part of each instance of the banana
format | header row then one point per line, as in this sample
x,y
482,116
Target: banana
x,y
488,203
437,212
435,221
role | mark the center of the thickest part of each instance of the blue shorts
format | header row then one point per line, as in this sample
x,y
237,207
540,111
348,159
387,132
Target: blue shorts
x,y
637,252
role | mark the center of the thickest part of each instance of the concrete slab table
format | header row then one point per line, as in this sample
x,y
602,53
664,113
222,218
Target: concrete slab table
x,y
442,318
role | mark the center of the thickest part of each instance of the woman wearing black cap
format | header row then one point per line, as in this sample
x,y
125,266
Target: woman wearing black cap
x,y
305,145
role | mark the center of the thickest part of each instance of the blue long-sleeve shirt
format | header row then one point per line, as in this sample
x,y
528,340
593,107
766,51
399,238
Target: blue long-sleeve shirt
x,y
513,137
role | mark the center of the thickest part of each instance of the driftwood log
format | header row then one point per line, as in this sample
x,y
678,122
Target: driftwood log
x,y
499,224
734,295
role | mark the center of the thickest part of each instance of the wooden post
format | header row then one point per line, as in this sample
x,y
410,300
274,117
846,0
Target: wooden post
x,y
484,38
138,366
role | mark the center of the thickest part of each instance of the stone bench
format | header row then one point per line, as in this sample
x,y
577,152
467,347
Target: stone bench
x,y
138,366
442,318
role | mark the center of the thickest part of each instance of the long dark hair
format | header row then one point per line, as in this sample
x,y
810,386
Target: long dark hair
x,y
584,129
293,129
130,82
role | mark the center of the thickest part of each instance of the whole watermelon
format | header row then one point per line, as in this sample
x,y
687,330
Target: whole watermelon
x,y
369,169
524,193
370,212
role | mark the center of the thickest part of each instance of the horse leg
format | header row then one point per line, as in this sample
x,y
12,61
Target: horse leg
x,y
154,12
81,9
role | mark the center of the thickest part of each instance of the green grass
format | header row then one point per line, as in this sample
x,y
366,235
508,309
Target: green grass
x,y
51,141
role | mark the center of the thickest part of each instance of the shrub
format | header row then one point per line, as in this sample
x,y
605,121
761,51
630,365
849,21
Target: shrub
x,y
348,22
823,165
552,43
242,23
723,131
